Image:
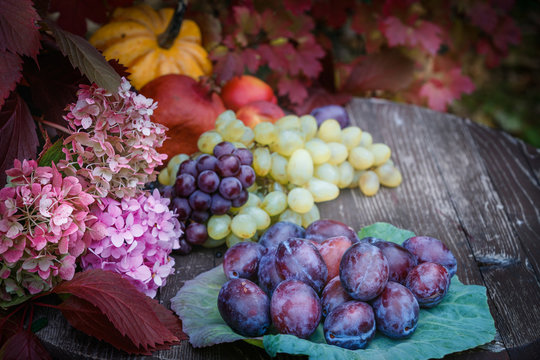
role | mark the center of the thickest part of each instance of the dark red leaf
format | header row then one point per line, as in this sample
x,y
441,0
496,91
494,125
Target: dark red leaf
x,y
73,14
320,97
333,13
308,55
119,68
9,325
278,57
18,29
294,89
19,138
276,25
251,59
389,70
125,307
228,65
24,345
297,7
167,318
10,73
246,20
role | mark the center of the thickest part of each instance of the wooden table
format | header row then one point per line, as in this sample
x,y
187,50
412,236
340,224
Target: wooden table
x,y
476,189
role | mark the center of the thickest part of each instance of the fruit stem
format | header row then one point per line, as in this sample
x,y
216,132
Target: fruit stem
x,y
166,39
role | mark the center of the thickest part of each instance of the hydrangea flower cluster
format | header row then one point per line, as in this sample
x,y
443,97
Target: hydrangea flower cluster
x,y
113,145
43,220
134,237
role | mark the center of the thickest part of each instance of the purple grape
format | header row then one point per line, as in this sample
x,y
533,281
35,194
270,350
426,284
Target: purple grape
x,y
267,275
335,112
279,232
333,295
185,185
400,260
224,148
242,260
196,233
323,229
295,309
428,249
245,156
230,188
363,271
246,176
200,200
429,283
206,162
200,216
188,167
167,192
241,199
396,311
299,259
208,181
351,325
219,205
228,165
182,208
184,248
244,307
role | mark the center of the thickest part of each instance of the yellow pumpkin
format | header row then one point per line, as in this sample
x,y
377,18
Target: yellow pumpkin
x,y
133,38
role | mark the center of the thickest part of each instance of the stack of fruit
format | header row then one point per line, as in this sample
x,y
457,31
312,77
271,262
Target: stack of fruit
x,y
364,284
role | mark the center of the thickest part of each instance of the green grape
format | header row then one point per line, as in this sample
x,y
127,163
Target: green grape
x,y
288,122
381,153
212,243
260,217
223,120
219,226
389,175
300,167
308,127
329,131
278,187
338,153
262,161
288,141
369,183
319,151
322,190
351,137
278,171
366,139
346,174
356,177
274,203
234,131
164,178
265,133
291,216
173,166
208,140
327,172
311,216
248,137
232,239
243,226
239,145
361,158
300,200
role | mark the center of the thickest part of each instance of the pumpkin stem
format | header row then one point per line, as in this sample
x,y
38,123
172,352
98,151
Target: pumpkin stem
x,y
166,39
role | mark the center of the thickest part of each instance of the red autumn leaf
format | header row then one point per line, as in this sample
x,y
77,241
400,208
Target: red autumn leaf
x,y
19,139
389,70
293,88
423,34
276,25
124,306
297,7
24,345
246,21
18,29
483,15
167,318
73,14
307,56
251,59
506,33
119,68
448,86
227,65
10,73
333,13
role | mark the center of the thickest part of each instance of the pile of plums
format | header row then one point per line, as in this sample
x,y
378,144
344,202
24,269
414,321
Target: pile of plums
x,y
364,284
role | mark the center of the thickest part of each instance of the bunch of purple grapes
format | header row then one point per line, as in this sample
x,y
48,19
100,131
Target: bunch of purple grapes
x,y
209,185
284,280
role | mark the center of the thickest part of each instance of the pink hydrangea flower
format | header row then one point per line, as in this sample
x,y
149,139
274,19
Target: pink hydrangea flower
x,y
113,145
43,217
134,237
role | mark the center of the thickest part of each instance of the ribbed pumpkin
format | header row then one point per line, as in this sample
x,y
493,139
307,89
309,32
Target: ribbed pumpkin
x,y
134,34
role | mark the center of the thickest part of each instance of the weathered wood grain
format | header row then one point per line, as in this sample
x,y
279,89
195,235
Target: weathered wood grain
x,y
476,189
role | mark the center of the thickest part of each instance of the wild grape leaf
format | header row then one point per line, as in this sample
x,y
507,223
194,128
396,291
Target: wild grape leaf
x,y
491,56
276,25
440,92
251,59
363,18
228,64
333,13
19,138
294,89
506,33
307,56
297,7
18,27
318,97
73,14
247,21
389,70
167,318
277,56
86,58
426,35
24,345
124,306
483,15
10,73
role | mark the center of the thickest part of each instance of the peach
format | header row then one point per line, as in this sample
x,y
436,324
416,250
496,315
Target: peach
x,y
242,90
258,111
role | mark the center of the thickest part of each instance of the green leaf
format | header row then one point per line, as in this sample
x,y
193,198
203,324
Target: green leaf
x,y
53,154
86,58
386,232
461,321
